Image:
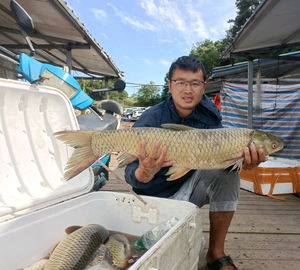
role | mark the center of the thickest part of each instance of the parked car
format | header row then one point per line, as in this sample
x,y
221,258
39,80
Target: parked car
x,y
125,110
128,113
139,108
136,114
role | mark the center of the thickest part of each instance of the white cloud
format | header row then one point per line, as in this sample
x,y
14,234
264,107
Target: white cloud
x,y
104,35
182,17
128,58
213,31
183,22
134,22
165,41
99,14
165,63
147,61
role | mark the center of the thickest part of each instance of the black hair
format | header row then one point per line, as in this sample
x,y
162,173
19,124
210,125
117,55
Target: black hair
x,y
187,63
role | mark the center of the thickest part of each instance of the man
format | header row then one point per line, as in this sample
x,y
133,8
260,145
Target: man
x,y
188,105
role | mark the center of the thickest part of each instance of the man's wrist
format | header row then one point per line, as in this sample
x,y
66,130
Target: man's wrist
x,y
142,175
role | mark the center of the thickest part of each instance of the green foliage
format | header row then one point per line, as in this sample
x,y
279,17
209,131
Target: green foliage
x,y
147,95
245,10
165,92
208,52
119,97
89,85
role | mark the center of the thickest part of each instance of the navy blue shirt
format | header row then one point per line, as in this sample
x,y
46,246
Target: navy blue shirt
x,y
206,115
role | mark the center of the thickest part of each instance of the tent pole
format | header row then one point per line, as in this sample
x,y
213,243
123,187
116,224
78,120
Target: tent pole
x,y
106,86
69,60
250,93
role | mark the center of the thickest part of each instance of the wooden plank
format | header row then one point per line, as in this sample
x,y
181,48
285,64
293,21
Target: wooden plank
x,y
273,220
266,238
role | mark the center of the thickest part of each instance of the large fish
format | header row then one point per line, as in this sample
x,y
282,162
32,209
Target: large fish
x,y
193,149
75,251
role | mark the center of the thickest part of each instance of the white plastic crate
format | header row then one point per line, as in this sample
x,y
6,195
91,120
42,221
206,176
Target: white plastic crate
x,y
36,204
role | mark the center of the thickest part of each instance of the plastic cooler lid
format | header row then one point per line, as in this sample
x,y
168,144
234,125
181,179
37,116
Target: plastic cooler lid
x,y
32,161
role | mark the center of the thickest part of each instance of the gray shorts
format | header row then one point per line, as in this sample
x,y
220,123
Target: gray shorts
x,y
219,188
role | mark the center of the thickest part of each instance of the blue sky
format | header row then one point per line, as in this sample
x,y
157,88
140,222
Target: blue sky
x,y
143,37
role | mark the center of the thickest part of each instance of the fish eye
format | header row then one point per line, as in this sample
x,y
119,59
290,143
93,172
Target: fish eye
x,y
274,145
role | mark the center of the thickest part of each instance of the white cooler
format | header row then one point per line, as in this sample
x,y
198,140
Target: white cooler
x,y
36,204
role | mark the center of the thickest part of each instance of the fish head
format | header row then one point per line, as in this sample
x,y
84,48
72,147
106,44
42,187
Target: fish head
x,y
268,142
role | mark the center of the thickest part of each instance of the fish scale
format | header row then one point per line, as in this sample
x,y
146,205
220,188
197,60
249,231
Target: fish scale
x,y
193,149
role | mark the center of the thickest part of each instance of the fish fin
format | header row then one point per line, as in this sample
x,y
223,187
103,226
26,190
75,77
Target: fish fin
x,y
236,163
83,155
177,172
127,251
71,229
49,254
124,159
176,127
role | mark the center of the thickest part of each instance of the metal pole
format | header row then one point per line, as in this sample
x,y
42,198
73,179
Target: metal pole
x,y
250,93
69,60
106,86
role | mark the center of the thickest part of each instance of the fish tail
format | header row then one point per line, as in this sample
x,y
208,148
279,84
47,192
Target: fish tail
x,y
83,155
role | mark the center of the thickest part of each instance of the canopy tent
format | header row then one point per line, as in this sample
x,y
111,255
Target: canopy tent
x,y
59,38
276,112
274,25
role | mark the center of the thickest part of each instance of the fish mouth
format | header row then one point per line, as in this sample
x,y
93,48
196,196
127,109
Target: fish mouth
x,y
281,146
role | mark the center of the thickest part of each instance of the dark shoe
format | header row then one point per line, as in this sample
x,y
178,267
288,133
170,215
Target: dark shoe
x,y
221,262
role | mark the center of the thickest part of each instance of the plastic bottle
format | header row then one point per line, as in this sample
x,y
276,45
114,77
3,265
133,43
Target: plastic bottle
x,y
148,239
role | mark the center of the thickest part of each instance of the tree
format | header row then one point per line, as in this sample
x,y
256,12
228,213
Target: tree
x,y
208,52
165,92
89,85
245,10
117,96
148,95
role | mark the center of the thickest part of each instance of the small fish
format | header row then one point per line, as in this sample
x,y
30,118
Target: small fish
x,y
39,265
119,250
75,251
193,149
101,254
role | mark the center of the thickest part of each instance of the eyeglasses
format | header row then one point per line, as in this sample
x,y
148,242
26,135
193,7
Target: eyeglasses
x,y
181,84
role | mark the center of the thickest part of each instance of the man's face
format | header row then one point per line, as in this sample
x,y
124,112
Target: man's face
x,y
188,97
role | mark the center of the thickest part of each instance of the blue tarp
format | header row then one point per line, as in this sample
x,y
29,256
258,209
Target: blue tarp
x,y
279,114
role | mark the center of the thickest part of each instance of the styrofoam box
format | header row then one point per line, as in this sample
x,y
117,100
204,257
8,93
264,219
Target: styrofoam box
x,y
285,187
36,204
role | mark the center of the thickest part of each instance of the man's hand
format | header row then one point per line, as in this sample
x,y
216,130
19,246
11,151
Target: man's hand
x,y
148,165
253,158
